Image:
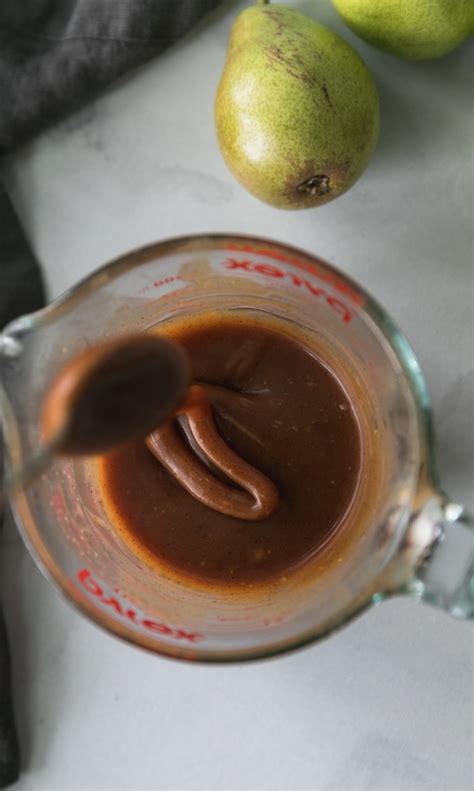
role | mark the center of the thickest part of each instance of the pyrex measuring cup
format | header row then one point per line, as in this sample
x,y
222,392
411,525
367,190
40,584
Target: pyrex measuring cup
x,y
405,536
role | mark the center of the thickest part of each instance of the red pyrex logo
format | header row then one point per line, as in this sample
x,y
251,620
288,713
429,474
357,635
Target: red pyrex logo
x,y
331,278
270,270
157,627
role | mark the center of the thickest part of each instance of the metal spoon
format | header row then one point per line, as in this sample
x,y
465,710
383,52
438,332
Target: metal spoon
x,y
107,394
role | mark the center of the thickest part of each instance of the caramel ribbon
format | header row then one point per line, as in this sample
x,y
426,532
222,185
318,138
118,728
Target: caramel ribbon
x,y
256,499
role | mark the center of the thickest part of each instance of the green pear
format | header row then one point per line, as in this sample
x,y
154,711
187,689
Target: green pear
x,y
414,29
297,111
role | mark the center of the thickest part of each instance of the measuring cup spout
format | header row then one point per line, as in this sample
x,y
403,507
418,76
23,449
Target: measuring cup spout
x,y
12,365
9,346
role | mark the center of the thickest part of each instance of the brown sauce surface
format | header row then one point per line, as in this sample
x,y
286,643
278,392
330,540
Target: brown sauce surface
x,y
282,410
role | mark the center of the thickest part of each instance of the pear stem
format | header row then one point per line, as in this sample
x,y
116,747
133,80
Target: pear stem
x,y
263,2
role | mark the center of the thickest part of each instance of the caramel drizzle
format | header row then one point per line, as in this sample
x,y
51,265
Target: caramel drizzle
x,y
256,499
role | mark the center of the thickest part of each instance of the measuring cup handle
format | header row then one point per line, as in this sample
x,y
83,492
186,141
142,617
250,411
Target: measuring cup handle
x,y
445,575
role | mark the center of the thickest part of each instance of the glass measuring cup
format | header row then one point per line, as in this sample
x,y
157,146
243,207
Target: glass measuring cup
x,y
405,536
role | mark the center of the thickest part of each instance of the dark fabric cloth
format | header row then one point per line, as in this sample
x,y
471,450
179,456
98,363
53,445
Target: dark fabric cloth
x,y
9,750
21,287
54,56
21,291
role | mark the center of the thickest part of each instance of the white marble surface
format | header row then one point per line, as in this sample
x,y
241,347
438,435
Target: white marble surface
x,y
388,702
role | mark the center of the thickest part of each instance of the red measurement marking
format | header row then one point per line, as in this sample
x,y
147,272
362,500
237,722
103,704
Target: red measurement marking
x,y
269,270
328,277
92,586
166,280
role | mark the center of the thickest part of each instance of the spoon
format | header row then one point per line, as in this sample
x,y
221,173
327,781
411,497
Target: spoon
x,y
109,393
